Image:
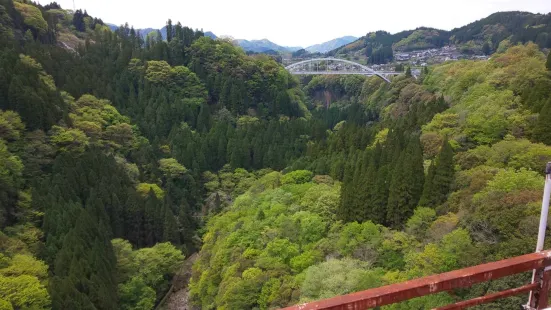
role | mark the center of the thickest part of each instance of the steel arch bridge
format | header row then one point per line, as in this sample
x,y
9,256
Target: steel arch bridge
x,y
333,66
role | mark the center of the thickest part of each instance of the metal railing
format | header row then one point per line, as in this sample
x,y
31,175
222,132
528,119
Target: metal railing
x,y
538,262
448,281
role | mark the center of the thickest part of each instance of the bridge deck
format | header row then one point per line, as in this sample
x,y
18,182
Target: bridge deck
x,y
342,72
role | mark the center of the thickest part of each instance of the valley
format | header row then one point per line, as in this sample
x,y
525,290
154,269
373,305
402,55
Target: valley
x,y
176,170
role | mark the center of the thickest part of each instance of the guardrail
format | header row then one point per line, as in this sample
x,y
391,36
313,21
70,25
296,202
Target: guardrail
x,y
461,278
539,263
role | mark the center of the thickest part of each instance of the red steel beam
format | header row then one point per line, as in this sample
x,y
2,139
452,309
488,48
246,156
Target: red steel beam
x,y
489,298
543,294
432,284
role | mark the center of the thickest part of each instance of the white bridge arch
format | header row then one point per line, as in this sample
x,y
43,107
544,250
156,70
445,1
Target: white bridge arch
x,y
342,67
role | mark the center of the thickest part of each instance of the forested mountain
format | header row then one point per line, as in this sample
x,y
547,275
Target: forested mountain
x,y
103,148
259,46
121,155
415,177
330,45
482,36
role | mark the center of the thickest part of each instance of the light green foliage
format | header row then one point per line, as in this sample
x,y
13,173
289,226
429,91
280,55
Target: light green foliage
x,y
269,181
512,153
25,292
157,71
280,242
171,168
32,16
11,167
453,252
339,277
156,262
442,225
23,278
380,137
419,223
131,169
178,78
126,264
247,120
144,272
419,39
507,180
322,199
211,181
393,248
31,63
144,188
101,122
278,251
490,95
5,305
354,235
297,177
11,126
69,140
505,206
23,264
304,260
136,295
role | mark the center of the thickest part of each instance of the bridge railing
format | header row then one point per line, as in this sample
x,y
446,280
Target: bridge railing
x,y
462,278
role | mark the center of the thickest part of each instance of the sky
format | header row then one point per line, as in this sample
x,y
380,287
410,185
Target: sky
x,y
300,22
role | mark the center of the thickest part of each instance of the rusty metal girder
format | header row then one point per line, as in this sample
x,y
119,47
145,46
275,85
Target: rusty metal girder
x,y
489,298
432,284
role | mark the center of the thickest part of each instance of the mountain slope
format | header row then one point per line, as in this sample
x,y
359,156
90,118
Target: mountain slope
x,y
517,27
260,46
330,45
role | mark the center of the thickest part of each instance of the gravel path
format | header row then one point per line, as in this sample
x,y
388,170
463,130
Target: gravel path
x,y
179,300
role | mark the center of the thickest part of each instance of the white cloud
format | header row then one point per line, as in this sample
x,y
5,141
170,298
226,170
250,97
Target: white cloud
x,y
300,23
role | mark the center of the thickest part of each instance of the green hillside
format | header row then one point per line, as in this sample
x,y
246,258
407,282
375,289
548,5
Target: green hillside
x,y
121,155
482,36
446,173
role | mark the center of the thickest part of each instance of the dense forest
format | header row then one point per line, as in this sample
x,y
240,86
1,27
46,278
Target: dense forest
x,y
121,155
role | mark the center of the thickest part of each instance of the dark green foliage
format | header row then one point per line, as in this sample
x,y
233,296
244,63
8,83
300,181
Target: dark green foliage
x,y
406,185
542,129
520,27
78,20
548,63
85,267
486,49
439,178
189,105
30,94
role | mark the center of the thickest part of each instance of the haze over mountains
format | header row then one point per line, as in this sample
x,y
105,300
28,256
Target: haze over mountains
x,y
265,45
479,37
331,45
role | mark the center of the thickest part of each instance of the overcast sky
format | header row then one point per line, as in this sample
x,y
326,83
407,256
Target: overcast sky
x,y
300,22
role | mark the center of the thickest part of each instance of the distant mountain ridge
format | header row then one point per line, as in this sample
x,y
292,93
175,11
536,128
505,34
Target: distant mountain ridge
x,y
481,36
260,46
330,45
263,45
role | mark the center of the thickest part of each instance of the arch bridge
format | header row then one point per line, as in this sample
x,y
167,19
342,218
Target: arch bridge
x,y
332,66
